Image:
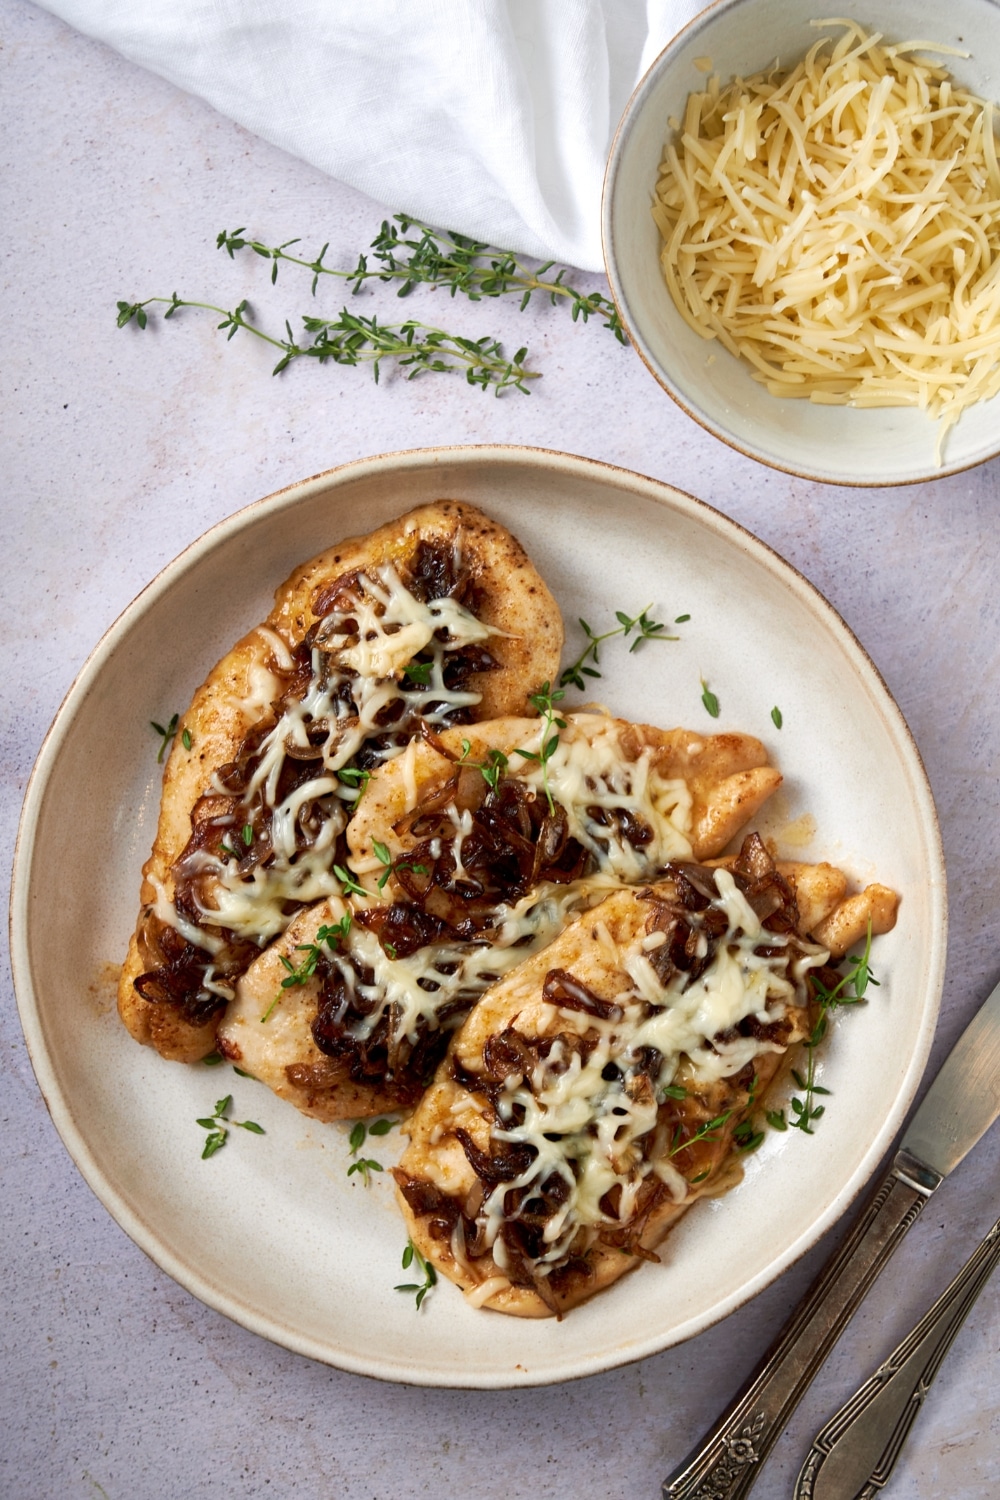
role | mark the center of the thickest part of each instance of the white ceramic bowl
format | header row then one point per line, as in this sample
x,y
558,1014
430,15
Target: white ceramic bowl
x,y
271,1231
833,443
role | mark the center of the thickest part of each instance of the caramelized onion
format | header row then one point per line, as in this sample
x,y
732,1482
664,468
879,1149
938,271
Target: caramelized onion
x,y
568,993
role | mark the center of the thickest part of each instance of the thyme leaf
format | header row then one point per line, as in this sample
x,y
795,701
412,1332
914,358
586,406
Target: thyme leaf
x,y
350,885
777,718
707,1132
709,699
167,732
353,777
411,1256
672,1091
365,1165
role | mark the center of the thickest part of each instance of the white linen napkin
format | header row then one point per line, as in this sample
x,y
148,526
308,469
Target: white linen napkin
x,y
493,117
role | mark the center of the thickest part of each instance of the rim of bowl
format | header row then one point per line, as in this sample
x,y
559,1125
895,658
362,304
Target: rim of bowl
x,y
662,376
216,1296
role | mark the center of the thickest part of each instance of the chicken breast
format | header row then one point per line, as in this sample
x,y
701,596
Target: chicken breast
x,y
461,872
606,1084
434,619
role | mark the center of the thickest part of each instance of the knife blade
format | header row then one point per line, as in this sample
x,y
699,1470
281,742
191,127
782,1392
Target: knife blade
x,y
960,1106
964,1099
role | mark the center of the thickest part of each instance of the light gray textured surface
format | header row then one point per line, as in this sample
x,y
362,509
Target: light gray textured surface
x,y
119,448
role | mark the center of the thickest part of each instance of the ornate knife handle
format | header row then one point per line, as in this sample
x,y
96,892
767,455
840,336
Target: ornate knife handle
x,y
857,1449
725,1465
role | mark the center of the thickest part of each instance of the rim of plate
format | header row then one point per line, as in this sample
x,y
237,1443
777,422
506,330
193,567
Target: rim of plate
x,y
212,1293
659,373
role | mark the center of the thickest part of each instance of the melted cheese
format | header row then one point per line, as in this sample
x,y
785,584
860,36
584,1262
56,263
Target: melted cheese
x,y
836,226
580,1116
588,771
419,986
350,687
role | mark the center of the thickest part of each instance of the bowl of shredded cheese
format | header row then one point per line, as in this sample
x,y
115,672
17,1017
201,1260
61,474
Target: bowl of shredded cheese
x,y
801,227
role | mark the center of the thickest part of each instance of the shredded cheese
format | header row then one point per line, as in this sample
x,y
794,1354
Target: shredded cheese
x,y
584,1120
838,227
589,775
416,989
357,674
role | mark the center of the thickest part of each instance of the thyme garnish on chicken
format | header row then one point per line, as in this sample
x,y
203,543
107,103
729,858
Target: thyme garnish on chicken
x,y
803,1109
542,702
493,767
332,935
384,856
352,777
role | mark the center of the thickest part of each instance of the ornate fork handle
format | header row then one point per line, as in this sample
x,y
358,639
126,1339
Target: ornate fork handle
x,y
725,1465
856,1451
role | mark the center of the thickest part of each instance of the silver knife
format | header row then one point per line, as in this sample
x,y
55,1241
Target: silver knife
x,y
960,1106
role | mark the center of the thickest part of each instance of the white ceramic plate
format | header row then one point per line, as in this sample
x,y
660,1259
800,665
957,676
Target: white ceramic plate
x,y
271,1231
831,443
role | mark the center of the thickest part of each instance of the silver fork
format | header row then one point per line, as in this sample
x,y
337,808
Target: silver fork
x,y
854,1454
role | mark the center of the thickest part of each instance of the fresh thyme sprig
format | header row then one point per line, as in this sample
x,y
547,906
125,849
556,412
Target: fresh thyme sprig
x,y
803,1110
166,732
543,702
217,1124
332,935
445,259
648,630
366,1165
411,1254
745,1136
707,1132
352,339
492,768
